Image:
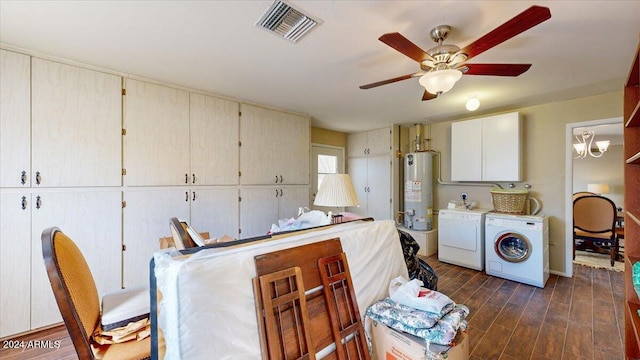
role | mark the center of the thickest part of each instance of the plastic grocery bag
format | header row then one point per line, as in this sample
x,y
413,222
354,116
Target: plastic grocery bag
x,y
411,293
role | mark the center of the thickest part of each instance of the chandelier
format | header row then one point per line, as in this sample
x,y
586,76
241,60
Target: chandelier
x,y
583,147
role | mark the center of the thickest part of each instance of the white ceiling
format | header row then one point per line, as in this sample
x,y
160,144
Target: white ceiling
x,y
584,49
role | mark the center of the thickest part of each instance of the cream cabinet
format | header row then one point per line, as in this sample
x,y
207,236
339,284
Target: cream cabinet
x,y
262,206
58,121
92,218
215,209
156,120
213,140
487,149
373,142
15,119
15,262
146,220
76,121
371,177
275,147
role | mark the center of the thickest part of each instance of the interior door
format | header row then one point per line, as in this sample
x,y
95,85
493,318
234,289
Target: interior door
x,y
324,160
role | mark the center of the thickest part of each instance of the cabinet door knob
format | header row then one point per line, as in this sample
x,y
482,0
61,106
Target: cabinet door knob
x,y
194,196
276,192
280,179
23,177
38,202
186,196
186,178
280,192
193,178
38,178
276,179
24,203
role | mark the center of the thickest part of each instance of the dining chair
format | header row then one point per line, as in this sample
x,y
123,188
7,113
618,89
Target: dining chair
x,y
77,297
594,225
581,194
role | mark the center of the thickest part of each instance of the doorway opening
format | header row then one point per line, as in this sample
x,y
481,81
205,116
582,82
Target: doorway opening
x,y
569,179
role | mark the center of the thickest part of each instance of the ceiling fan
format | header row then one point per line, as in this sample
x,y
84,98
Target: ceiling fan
x,y
443,65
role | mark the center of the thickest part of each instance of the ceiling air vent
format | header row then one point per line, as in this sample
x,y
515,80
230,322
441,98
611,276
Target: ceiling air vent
x,y
284,20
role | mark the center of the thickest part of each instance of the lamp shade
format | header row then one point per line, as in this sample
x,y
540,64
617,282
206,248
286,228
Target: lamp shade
x,y
440,81
336,190
598,188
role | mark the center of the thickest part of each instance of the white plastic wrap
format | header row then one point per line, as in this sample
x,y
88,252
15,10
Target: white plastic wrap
x,y
207,309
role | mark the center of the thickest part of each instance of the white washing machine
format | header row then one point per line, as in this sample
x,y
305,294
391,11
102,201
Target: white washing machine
x,y
461,237
517,248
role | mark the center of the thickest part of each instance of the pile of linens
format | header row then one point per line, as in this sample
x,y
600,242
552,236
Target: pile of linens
x,y
419,311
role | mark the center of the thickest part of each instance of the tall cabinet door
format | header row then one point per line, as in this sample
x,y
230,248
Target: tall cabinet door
x,y
146,220
379,188
93,220
216,210
156,150
291,199
76,126
15,263
294,149
214,131
258,210
358,171
275,147
15,122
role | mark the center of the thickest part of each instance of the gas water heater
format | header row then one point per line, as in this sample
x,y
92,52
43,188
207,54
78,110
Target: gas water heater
x,y
418,191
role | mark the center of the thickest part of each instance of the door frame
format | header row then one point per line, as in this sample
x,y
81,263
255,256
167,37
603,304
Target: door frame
x,y
313,169
568,183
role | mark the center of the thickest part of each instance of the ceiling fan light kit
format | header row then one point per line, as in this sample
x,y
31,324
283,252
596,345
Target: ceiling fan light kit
x,y
440,81
443,65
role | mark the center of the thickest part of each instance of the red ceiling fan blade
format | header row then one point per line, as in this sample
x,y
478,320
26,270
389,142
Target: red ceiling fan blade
x,y
524,21
495,69
428,96
403,45
389,81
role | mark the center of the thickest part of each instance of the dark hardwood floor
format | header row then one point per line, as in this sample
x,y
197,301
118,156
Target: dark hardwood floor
x,y
571,318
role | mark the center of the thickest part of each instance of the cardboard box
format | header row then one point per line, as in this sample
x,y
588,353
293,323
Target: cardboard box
x,y
390,344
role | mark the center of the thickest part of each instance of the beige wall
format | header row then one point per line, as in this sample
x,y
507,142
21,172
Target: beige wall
x,y
544,160
328,137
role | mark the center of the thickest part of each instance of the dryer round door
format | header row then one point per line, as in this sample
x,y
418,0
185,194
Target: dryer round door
x,y
513,247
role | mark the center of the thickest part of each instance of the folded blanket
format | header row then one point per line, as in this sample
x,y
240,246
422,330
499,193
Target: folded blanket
x,y
434,328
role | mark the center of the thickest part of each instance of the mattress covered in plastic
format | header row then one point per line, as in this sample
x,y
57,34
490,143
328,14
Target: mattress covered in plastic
x,y
207,308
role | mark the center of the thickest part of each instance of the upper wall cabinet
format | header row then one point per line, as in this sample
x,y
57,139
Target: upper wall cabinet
x,y
374,142
487,149
58,124
156,148
15,112
76,124
214,140
274,147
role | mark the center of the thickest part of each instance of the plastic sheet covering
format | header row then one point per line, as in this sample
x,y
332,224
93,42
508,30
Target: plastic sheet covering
x,y
207,309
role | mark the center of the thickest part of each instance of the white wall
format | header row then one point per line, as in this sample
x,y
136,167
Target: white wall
x,y
608,169
544,160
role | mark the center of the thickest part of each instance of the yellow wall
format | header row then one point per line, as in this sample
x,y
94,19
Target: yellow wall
x,y
328,137
544,161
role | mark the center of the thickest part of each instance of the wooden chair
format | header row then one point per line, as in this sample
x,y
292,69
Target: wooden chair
x,y
582,193
77,297
181,238
594,225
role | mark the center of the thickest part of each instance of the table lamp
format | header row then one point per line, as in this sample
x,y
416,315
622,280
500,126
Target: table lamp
x,y
598,188
336,190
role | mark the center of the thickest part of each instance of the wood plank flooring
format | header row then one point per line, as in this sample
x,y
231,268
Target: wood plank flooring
x,y
571,318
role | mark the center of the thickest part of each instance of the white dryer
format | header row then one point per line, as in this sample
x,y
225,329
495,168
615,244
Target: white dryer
x,y
461,237
517,247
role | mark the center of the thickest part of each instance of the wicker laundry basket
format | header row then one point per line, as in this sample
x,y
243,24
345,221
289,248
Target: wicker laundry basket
x,y
509,201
